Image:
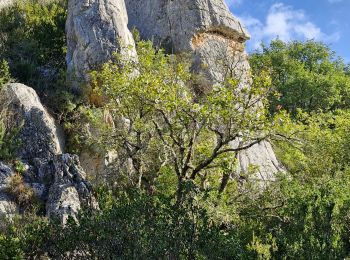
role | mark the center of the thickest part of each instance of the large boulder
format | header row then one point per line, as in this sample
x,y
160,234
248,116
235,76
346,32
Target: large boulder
x,y
178,22
40,136
95,30
208,30
56,178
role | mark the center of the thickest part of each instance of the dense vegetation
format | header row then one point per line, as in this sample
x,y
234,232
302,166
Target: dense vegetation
x,y
307,76
185,199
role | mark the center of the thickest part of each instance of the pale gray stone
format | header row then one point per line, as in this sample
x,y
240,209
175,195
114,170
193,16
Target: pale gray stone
x,y
5,3
68,191
8,207
40,136
56,178
175,23
95,30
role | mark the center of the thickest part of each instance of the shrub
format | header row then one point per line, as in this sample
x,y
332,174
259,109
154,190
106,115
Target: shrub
x,y
9,142
4,73
33,42
10,248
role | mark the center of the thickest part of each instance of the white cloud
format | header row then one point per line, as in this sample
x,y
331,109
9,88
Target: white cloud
x,y
286,23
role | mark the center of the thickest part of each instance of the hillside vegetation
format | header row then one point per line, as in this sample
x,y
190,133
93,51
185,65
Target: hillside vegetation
x,y
186,200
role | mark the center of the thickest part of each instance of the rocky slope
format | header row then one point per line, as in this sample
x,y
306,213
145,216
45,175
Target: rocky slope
x,y
95,30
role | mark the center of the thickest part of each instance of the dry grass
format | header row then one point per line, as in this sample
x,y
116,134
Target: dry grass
x,y
23,195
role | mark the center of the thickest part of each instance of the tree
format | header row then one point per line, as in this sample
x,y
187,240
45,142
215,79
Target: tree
x,y
305,75
157,122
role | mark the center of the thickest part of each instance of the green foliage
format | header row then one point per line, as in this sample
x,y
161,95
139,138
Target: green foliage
x,y
4,73
32,35
306,76
307,212
20,167
9,142
130,225
160,123
10,248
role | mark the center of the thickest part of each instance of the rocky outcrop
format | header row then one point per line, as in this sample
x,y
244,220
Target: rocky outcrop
x,y
69,191
56,178
208,30
176,23
40,136
7,205
205,28
95,30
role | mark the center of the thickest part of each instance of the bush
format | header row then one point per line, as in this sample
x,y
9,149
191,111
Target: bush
x,y
10,248
33,42
131,226
9,142
4,73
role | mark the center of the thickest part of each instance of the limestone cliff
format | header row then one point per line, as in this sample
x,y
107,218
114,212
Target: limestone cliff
x,y
209,31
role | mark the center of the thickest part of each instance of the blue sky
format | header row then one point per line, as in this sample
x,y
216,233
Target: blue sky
x,y
322,20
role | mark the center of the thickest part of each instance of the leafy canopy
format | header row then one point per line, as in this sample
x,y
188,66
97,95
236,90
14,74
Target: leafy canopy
x,y
156,119
305,75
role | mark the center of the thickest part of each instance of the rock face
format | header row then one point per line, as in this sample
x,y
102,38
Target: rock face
x,y
39,135
95,30
69,190
56,178
215,38
205,28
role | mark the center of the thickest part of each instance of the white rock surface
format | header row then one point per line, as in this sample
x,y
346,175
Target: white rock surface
x,y
40,136
175,23
5,3
95,30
